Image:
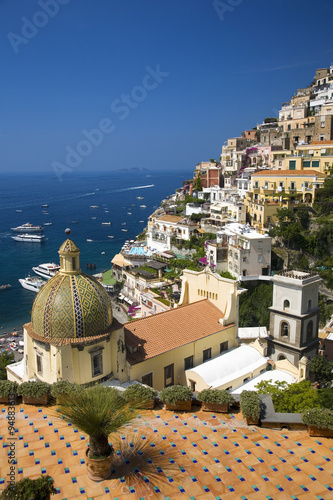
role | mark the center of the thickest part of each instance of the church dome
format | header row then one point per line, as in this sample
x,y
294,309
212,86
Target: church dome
x,y
71,304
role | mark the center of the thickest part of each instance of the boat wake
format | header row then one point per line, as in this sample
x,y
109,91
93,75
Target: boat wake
x,y
121,190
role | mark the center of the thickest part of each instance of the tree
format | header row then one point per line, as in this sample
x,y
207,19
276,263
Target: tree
x,y
30,489
293,398
321,369
5,359
198,183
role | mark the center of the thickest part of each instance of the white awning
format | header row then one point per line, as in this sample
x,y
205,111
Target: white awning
x,y
120,296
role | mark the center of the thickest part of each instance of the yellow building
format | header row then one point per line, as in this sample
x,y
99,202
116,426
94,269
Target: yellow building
x,y
318,155
273,189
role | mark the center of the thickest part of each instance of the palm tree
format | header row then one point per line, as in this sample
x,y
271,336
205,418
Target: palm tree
x,y
97,411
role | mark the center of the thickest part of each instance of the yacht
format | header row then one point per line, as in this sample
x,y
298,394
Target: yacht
x,y
47,270
139,197
143,206
32,283
93,206
28,228
34,238
106,223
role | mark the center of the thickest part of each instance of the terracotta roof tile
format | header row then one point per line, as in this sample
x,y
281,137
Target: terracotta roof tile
x,y
288,173
317,143
171,218
168,330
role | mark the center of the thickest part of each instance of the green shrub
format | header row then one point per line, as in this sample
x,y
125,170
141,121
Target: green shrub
x,y
7,387
137,393
63,387
215,396
319,417
250,404
30,489
176,393
33,389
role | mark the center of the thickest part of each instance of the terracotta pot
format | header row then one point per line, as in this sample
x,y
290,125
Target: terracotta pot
x,y
148,405
215,407
252,421
41,400
179,406
99,468
319,431
4,399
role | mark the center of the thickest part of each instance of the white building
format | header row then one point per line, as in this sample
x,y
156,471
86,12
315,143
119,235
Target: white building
x,y
162,229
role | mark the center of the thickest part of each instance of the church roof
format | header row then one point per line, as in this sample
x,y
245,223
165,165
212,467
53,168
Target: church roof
x,y
69,246
168,330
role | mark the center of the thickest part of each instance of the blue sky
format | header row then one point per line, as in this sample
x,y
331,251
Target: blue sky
x,y
166,82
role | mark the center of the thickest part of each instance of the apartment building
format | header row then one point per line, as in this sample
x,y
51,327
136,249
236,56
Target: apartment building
x,y
161,230
222,213
210,174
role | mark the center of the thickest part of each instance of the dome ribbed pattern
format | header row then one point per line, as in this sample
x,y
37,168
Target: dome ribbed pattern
x,y
71,307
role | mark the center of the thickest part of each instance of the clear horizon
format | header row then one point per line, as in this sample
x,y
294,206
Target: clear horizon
x,y
157,85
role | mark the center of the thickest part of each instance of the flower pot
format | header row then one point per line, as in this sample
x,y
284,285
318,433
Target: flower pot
x,y
319,431
30,400
252,421
215,407
179,406
99,468
4,399
147,405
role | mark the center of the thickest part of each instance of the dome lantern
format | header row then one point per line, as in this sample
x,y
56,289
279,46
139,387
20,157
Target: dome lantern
x,y
69,258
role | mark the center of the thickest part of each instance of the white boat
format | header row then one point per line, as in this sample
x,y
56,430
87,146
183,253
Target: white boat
x,y
18,210
47,223
106,223
110,236
27,228
32,238
94,218
89,240
93,206
47,270
32,283
143,206
45,206
139,197
124,229
123,223
141,220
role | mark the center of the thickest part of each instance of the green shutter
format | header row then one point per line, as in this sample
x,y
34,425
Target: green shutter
x,y
292,164
315,164
306,164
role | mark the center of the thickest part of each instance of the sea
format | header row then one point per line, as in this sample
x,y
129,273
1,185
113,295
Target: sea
x,y
69,205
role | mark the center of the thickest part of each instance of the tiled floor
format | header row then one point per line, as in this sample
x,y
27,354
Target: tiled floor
x,y
194,455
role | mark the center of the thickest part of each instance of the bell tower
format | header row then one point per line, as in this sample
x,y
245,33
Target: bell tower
x,y
294,317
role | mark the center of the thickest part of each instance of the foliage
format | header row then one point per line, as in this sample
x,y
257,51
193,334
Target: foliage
x,y
226,274
141,236
198,183
64,387
34,389
8,387
272,119
98,411
321,369
319,417
175,393
137,393
5,359
30,489
293,398
254,304
325,396
215,396
250,404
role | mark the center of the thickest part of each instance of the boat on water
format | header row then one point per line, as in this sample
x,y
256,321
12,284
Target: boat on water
x,y
89,240
27,228
94,218
111,236
4,287
139,197
124,229
32,283
75,221
31,238
123,223
47,270
18,210
47,223
143,206
141,220
106,223
45,206
93,206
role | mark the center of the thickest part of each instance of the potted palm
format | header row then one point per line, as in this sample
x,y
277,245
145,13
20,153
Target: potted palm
x,y
97,411
63,387
140,396
250,405
34,393
177,397
30,489
215,400
319,422
8,390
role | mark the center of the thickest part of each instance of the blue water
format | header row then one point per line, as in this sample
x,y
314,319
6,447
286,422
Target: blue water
x,y
69,201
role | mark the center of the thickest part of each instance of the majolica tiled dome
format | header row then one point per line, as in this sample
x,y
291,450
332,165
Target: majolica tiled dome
x,y
71,304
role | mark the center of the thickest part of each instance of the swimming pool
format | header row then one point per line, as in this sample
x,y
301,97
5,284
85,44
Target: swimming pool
x,y
138,251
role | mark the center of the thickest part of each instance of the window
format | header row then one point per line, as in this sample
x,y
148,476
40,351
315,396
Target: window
x,y
147,379
259,258
292,185
309,304
315,164
224,346
309,331
256,185
286,305
192,385
188,363
284,331
292,164
206,354
168,375
39,363
244,259
306,164
96,363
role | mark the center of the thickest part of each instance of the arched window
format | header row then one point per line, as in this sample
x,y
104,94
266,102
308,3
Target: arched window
x,y
286,305
281,357
309,331
284,329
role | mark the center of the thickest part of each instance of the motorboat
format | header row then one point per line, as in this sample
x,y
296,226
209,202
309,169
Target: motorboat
x,y
32,283
28,228
124,229
89,240
143,206
4,287
139,197
47,270
111,236
47,223
45,206
93,206
106,223
32,238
